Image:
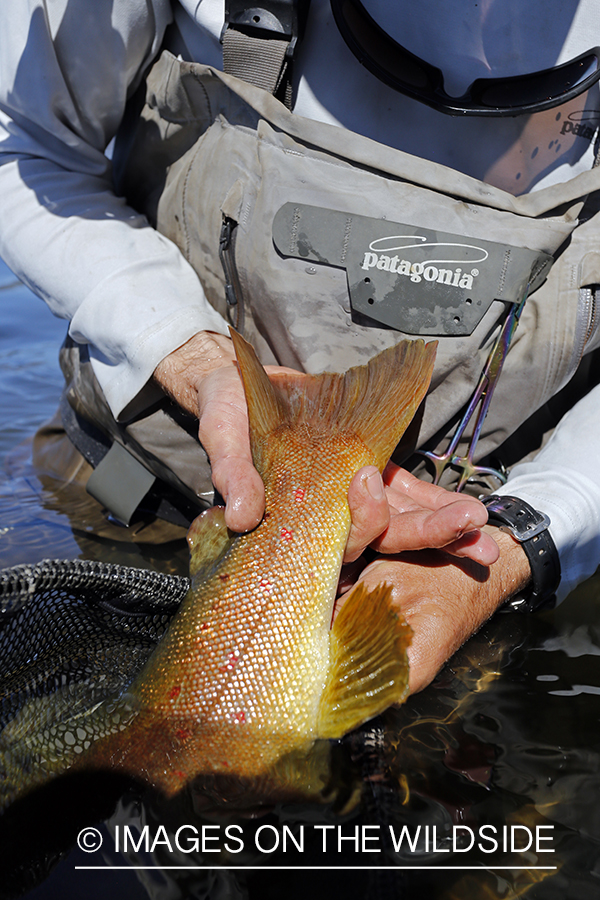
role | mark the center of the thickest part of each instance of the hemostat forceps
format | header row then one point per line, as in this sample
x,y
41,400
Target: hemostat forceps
x,y
484,393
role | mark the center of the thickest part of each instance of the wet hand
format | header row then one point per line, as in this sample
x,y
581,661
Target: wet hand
x,y
399,512
203,378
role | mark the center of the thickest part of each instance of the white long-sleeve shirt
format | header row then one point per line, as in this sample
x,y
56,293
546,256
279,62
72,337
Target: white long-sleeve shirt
x,y
66,72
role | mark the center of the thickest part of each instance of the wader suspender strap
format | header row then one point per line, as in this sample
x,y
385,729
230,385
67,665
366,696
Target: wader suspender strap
x,y
259,43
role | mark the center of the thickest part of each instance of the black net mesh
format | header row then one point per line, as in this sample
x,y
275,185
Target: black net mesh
x,y
132,591
72,635
76,632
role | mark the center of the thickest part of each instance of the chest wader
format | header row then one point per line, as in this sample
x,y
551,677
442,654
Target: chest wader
x,y
324,247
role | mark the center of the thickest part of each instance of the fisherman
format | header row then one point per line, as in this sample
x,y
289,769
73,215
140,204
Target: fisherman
x,y
496,171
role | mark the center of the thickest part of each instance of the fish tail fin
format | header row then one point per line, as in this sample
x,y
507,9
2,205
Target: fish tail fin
x,y
267,408
376,401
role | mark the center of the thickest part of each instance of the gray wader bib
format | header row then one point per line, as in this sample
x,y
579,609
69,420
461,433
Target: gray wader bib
x,y
323,247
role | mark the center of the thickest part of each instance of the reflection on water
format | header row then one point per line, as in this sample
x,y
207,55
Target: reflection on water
x,y
505,745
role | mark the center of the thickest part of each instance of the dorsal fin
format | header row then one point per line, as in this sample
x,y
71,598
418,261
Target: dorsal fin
x,y
376,402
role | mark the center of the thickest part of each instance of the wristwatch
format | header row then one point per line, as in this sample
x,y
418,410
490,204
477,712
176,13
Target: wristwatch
x,y
530,528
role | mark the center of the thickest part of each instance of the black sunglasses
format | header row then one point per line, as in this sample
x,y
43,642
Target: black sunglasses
x,y
407,73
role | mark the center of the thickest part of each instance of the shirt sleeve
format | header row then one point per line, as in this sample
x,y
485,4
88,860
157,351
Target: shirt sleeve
x,y
563,481
67,70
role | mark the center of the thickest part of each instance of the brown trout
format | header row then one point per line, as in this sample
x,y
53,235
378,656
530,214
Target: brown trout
x,y
251,670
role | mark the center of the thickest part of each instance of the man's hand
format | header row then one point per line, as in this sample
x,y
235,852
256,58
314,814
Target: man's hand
x,y
445,599
202,377
399,512
445,594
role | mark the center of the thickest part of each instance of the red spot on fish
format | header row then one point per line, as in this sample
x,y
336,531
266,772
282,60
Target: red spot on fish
x,y
178,773
224,577
175,692
231,663
205,626
299,495
183,734
265,585
287,534
240,716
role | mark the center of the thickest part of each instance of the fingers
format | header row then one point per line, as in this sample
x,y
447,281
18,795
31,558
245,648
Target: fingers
x,y
400,512
477,546
223,432
401,484
434,517
202,378
369,509
454,527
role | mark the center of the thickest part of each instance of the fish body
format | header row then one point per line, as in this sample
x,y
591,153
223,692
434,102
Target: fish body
x,y
250,669
248,655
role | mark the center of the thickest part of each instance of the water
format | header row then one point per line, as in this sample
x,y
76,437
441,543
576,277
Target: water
x,y
30,386
41,517
508,737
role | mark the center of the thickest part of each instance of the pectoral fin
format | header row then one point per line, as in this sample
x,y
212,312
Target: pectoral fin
x,y
209,540
369,664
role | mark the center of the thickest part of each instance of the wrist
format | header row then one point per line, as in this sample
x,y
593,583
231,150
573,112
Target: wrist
x,y
511,574
179,374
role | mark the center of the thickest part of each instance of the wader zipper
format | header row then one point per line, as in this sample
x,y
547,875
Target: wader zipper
x,y
233,288
593,316
587,317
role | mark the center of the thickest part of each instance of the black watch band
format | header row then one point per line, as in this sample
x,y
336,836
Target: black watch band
x,y
530,528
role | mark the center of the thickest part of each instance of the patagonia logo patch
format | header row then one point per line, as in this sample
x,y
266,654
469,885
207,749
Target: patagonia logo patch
x,y
437,262
414,279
